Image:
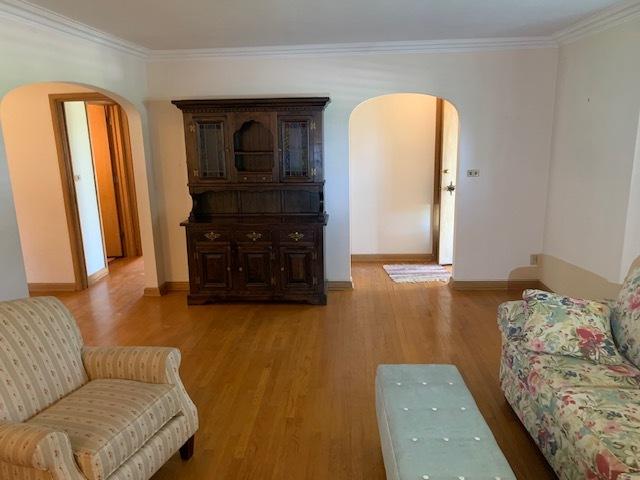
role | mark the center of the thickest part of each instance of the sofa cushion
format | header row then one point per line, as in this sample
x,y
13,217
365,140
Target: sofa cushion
x,y
567,326
40,356
603,424
541,376
109,420
625,322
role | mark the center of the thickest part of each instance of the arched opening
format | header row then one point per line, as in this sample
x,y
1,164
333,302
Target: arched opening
x,y
71,151
403,156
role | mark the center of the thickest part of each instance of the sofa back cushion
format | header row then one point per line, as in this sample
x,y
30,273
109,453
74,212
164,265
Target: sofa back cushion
x,y
625,322
40,356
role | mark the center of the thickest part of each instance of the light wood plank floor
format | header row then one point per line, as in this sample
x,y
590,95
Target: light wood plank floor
x,y
287,391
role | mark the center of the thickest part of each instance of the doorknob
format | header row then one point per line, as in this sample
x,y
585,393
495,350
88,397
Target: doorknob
x,y
450,188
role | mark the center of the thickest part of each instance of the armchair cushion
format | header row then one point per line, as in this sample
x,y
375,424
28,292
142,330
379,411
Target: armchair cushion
x,y
107,421
40,356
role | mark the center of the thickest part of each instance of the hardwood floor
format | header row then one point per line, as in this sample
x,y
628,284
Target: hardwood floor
x,y
287,391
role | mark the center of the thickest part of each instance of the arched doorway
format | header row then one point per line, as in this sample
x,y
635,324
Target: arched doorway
x,y
403,152
54,134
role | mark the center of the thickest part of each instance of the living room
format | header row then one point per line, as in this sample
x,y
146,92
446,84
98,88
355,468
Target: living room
x,y
246,265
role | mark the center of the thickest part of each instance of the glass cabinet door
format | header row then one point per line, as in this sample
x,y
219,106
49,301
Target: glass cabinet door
x,y
211,150
296,149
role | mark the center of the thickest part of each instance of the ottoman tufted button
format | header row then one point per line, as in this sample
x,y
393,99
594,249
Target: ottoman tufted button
x,y
405,409
399,384
414,439
446,439
463,408
424,383
477,439
435,409
425,477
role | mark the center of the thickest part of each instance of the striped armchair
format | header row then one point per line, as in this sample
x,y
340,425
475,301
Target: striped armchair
x,y
71,412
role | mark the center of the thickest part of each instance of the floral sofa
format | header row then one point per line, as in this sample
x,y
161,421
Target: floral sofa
x,y
583,415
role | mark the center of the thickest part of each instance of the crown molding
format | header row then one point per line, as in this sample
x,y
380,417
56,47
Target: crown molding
x,y
429,46
603,20
43,18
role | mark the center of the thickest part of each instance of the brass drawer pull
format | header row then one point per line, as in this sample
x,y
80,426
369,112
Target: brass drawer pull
x,y
212,235
253,236
296,236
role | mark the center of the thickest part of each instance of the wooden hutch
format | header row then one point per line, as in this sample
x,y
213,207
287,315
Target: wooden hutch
x,y
256,229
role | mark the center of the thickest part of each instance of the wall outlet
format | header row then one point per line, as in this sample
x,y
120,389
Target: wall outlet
x,y
473,173
533,259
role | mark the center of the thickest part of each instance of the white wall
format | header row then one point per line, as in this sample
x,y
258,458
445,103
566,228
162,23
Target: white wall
x,y
33,54
505,103
85,185
392,153
594,142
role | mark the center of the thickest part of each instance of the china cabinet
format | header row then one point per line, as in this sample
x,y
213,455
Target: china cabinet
x,y
255,173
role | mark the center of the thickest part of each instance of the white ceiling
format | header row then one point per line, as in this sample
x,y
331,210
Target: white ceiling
x,y
190,24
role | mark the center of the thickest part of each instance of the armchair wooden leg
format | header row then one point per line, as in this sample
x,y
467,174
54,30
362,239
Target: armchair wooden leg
x,y
186,450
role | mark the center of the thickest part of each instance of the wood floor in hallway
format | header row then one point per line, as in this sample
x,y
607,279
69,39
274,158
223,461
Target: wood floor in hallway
x,y
286,392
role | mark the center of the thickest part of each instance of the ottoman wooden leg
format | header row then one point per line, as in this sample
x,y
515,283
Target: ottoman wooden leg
x,y
186,450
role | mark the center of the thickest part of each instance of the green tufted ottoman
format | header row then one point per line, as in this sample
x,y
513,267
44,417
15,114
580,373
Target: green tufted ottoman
x,y
431,429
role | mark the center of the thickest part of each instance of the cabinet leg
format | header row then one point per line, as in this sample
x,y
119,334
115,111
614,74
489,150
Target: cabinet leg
x,y
186,450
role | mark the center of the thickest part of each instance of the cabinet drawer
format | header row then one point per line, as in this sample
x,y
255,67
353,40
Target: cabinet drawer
x,y
297,235
255,177
252,235
211,235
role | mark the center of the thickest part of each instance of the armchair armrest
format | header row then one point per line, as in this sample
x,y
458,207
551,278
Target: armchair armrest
x,y
141,364
511,319
24,447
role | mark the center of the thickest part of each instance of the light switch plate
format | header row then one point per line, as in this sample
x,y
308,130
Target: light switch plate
x,y
473,173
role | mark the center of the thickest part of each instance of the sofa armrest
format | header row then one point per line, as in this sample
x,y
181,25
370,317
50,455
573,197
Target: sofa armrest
x,y
36,447
141,364
511,319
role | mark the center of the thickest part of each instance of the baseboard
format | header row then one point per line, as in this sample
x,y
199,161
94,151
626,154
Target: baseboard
x,y
392,257
165,288
495,284
176,286
337,286
51,287
94,277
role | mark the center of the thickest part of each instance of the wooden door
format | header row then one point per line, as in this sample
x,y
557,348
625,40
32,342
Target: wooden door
x,y
105,180
255,267
297,268
448,182
214,268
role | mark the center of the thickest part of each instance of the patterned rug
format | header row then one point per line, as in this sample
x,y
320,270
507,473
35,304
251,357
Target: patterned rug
x,y
417,272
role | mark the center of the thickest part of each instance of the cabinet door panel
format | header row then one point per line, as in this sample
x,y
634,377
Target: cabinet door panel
x,y
297,268
255,267
214,268
296,148
208,148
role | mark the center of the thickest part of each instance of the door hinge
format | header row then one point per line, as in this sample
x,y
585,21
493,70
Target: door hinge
x,y
273,281
314,171
313,125
192,128
315,281
196,172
